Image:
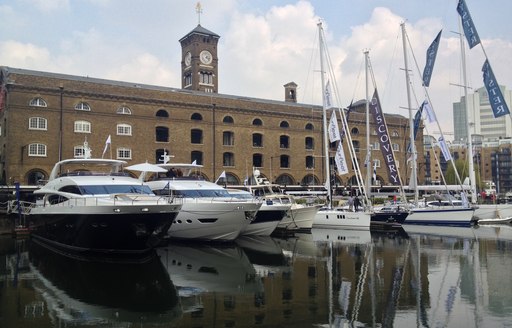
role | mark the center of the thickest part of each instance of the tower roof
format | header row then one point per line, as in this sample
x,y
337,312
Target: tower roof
x,y
202,31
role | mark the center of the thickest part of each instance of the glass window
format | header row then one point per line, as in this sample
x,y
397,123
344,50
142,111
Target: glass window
x,y
78,152
284,142
37,123
228,119
124,110
196,156
162,134
82,127
83,106
395,133
38,102
310,127
124,153
37,150
196,136
309,143
196,117
284,124
396,147
228,138
228,159
257,140
162,113
257,160
354,131
124,130
310,162
356,146
284,161
257,121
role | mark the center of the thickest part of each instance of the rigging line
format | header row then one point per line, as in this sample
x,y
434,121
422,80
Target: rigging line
x,y
388,75
311,61
358,78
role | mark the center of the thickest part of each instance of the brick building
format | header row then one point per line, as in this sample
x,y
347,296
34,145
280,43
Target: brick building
x,y
46,117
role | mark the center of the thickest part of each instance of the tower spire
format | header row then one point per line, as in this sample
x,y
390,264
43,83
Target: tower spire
x,y
199,11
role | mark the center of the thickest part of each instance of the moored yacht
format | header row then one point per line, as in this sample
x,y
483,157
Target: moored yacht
x,y
209,212
91,208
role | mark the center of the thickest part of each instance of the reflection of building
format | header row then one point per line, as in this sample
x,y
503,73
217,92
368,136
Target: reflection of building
x,y
46,117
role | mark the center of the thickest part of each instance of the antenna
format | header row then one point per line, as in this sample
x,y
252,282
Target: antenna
x,y
199,11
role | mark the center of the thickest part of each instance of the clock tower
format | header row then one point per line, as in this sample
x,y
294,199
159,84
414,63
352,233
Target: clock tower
x,y
199,62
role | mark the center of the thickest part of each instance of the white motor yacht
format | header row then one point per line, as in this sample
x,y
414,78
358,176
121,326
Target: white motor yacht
x,y
89,206
209,212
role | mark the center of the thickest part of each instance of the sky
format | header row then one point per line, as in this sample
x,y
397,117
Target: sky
x,y
265,44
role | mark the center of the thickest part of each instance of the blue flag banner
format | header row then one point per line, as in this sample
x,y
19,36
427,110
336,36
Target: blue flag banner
x,y
385,142
417,121
498,104
431,59
467,24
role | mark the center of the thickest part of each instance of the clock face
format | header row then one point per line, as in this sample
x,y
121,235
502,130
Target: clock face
x,y
206,57
188,58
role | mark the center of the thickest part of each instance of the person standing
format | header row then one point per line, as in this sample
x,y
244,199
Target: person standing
x,y
357,202
350,203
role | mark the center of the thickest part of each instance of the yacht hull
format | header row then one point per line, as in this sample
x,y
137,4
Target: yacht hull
x,y
212,220
298,218
109,231
493,211
266,220
445,216
340,219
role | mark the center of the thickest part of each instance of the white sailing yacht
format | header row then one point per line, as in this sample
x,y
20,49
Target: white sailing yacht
x,y
485,213
329,217
427,215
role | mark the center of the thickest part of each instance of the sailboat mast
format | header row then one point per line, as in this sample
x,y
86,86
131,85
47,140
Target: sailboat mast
x,y
468,123
411,119
324,119
368,148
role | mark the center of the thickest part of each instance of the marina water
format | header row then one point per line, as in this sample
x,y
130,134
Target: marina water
x,y
420,276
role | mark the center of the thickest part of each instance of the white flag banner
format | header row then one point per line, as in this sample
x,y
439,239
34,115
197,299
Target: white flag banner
x,y
341,163
429,112
444,149
107,143
222,175
327,95
334,131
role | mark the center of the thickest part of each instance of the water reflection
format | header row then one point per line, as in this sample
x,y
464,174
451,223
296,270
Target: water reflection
x,y
417,277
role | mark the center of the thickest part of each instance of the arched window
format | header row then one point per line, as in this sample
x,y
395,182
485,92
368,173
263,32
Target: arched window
x,y
83,106
257,122
309,179
124,110
310,127
37,123
284,124
228,138
124,153
228,120
228,159
310,162
395,133
36,177
285,179
37,150
257,140
354,131
124,130
284,161
196,136
309,143
257,160
162,134
196,117
162,113
196,156
38,102
82,127
284,142
231,179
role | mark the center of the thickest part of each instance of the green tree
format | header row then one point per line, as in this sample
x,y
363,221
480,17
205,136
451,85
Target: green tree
x,y
463,170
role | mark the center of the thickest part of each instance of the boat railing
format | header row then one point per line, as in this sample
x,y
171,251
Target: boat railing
x,y
115,200
21,207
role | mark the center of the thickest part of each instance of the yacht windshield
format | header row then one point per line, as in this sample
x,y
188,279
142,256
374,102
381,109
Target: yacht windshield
x,y
197,193
118,189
